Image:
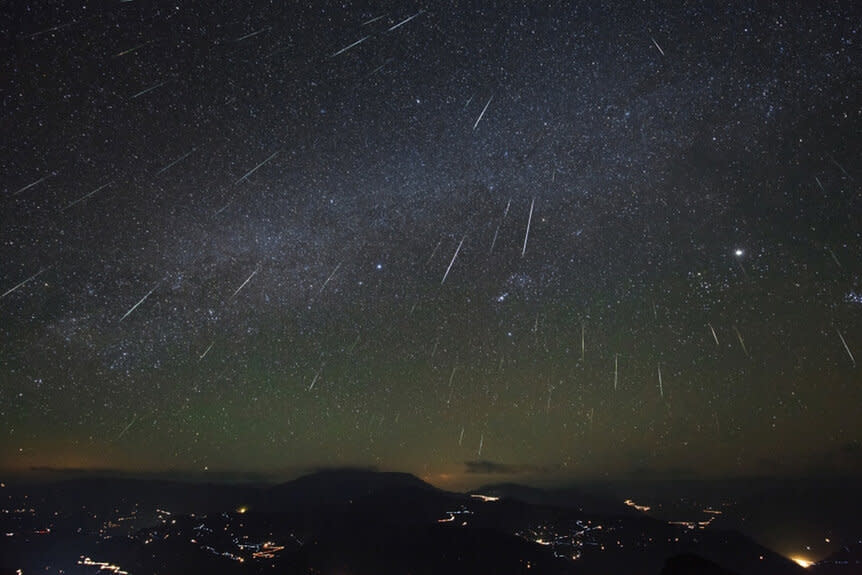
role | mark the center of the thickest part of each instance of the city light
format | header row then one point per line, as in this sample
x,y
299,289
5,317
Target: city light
x,y
643,508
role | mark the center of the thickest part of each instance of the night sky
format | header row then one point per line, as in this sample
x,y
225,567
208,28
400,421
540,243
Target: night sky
x,y
467,241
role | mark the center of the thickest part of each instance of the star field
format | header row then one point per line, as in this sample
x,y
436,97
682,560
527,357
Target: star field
x,y
558,240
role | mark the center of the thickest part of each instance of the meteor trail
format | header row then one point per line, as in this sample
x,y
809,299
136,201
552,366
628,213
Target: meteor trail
x,y
846,347
378,68
256,168
840,167
433,252
405,21
52,29
834,257
142,300
329,278
125,429
251,34
741,342
458,249
497,231
527,234
23,283
150,89
583,340
371,21
174,163
28,186
451,386
715,337
355,343
130,50
820,185
84,197
313,381
257,269
346,48
479,119
206,351
494,240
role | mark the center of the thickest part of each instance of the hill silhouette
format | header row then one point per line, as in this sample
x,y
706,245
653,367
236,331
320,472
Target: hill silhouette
x,y
354,521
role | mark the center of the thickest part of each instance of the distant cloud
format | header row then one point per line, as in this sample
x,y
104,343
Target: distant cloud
x,y
170,475
494,468
324,468
650,473
74,470
838,460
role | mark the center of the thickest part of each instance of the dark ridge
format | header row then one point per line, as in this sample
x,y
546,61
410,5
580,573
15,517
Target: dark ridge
x,y
687,564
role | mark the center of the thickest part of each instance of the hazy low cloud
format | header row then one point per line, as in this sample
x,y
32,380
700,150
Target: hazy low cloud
x,y
494,468
324,468
171,475
648,473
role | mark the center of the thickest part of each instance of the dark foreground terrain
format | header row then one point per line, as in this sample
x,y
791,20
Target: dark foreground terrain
x,y
356,522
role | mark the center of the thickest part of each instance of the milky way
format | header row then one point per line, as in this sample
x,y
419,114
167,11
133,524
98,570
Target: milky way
x,y
560,240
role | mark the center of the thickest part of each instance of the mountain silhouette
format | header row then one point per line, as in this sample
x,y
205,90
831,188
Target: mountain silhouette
x,y
357,522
